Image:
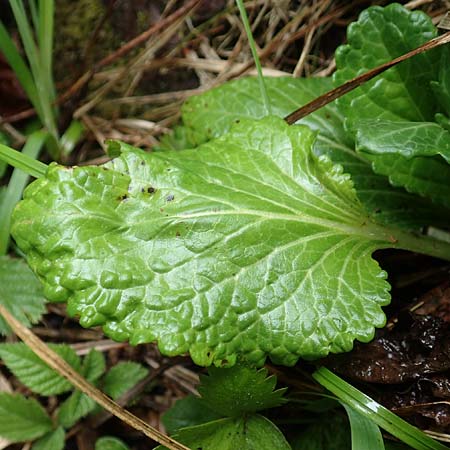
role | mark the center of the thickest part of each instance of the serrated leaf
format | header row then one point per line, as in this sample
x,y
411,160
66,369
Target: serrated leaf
x,y
252,433
93,365
51,441
401,93
212,114
20,292
248,245
328,432
122,377
414,155
22,419
222,391
76,406
33,372
110,443
187,412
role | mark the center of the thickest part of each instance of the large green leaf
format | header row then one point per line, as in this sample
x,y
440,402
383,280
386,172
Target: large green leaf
x,y
414,155
212,114
22,419
248,245
401,93
20,292
247,433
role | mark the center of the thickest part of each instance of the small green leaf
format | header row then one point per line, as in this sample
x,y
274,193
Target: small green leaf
x,y
110,443
51,441
223,390
76,406
22,419
187,412
328,432
251,433
93,365
33,372
20,292
413,155
122,377
365,432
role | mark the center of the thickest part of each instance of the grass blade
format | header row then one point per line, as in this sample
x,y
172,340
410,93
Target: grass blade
x,y
45,93
19,67
251,41
23,162
45,40
374,411
365,433
71,137
16,186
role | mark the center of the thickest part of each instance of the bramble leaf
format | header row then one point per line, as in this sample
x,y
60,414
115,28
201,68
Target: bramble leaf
x,y
22,419
222,390
33,372
212,114
20,292
51,441
110,443
252,433
187,412
248,245
122,377
78,405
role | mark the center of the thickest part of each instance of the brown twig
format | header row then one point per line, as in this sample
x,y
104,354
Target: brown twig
x,y
348,86
54,361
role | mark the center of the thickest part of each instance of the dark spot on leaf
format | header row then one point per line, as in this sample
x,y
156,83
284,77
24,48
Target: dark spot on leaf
x,y
177,234
237,121
122,197
142,163
142,190
170,197
151,190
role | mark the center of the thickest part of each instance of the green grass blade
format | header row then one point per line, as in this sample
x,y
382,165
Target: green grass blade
x,y
16,186
374,411
34,14
251,41
19,66
45,39
38,70
23,162
71,137
365,433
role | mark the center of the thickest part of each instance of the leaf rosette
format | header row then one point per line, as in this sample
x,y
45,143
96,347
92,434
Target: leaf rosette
x,y
248,246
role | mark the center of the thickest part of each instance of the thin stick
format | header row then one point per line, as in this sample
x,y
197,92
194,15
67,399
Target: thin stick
x,y
348,86
54,361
